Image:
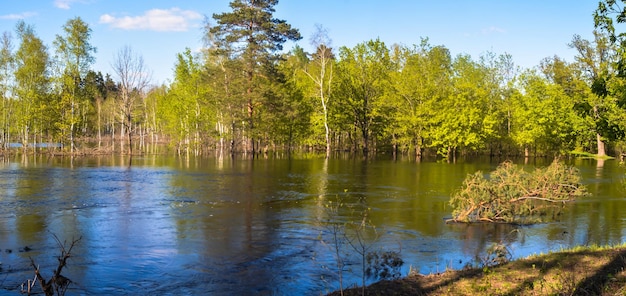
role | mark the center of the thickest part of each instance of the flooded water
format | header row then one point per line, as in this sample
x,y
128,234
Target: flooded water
x,y
222,226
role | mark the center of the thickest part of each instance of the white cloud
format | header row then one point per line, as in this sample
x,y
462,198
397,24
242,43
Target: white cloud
x,y
17,16
493,29
161,20
63,4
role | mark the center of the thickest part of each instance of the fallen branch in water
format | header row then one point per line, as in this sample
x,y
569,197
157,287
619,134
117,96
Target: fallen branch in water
x,y
512,195
541,199
57,283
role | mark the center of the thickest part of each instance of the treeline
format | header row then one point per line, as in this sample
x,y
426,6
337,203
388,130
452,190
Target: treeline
x,y
242,93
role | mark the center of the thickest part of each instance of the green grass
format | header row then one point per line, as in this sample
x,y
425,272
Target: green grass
x,y
582,154
584,270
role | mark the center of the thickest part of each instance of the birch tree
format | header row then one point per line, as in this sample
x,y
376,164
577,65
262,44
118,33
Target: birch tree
x,y
76,55
32,82
7,64
321,73
186,108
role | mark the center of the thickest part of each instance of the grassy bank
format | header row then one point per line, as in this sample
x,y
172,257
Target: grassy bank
x,y
579,271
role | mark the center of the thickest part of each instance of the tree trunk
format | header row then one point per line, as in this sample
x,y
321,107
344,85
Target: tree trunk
x,y
130,141
526,152
72,125
601,145
99,111
122,134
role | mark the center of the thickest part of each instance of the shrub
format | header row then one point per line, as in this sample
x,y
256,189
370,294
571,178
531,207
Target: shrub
x,y
384,265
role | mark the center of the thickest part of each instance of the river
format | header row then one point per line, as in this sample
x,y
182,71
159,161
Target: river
x,y
230,226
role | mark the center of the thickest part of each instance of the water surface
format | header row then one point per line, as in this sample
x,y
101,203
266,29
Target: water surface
x,y
222,226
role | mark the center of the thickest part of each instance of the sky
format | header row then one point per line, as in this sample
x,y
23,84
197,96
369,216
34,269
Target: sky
x,y
157,30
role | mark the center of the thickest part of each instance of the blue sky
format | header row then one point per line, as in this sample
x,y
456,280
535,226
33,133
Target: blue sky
x,y
529,30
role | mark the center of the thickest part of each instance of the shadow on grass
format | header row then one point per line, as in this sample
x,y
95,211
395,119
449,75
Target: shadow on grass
x,y
585,272
596,283
544,266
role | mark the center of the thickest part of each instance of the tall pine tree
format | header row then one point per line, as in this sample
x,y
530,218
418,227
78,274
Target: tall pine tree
x,y
252,34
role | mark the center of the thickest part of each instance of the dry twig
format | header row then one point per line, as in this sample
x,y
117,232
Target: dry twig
x,y
57,283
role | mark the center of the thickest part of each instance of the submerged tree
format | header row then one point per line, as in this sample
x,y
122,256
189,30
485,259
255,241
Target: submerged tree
x,y
286,113
321,73
594,102
76,56
363,81
32,84
94,88
7,63
542,116
461,120
133,79
512,195
185,113
252,34
422,81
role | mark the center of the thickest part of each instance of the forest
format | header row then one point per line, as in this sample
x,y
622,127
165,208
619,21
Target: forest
x,y
243,93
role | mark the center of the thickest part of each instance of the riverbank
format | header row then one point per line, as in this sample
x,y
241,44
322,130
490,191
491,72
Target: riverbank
x,y
580,271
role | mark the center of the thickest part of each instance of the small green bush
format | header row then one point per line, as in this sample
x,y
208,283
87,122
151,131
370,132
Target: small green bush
x,y
512,195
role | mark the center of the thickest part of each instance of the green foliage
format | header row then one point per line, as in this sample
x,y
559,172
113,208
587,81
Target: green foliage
x,y
251,34
512,195
244,92
461,121
286,113
76,55
542,116
32,84
185,112
362,88
423,81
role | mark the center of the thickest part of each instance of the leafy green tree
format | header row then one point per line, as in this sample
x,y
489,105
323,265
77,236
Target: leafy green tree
x,y
593,100
7,64
32,81
111,109
608,16
500,78
542,116
76,55
462,119
186,104
225,85
526,115
608,13
251,33
286,112
362,86
422,79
